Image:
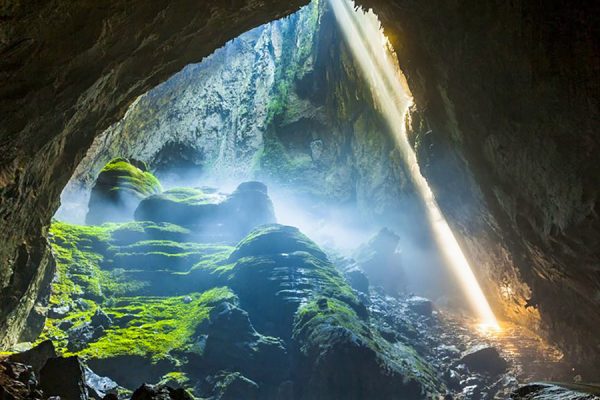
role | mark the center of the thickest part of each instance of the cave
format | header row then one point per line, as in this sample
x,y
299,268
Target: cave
x,y
335,199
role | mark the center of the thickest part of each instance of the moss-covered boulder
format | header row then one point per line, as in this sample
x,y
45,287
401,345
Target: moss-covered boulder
x,y
211,216
275,239
118,190
276,269
341,357
272,315
181,206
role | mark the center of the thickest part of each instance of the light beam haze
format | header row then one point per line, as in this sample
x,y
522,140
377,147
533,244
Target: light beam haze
x,y
373,54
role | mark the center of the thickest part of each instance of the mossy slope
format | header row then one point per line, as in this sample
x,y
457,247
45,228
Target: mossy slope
x,y
272,309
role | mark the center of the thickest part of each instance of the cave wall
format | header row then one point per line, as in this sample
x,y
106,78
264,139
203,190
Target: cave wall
x,y
510,87
507,94
216,110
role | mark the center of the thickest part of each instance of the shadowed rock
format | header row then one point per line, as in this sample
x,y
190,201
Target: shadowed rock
x,y
35,357
64,377
160,392
484,359
552,391
381,262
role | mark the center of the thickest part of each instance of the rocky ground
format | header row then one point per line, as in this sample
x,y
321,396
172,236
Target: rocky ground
x,y
202,295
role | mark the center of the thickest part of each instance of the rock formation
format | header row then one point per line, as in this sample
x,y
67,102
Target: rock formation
x,y
209,215
271,314
507,89
118,190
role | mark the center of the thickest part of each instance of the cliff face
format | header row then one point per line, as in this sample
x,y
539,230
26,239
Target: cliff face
x,y
283,102
204,118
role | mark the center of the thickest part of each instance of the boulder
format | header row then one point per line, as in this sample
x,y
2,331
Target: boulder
x,y
357,279
79,336
211,215
130,370
420,306
35,357
231,386
246,208
160,392
100,318
188,207
18,381
98,386
64,377
339,357
276,269
484,359
118,190
551,391
275,239
234,344
381,262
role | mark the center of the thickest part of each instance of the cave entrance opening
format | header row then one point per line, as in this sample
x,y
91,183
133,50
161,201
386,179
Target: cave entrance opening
x,y
168,258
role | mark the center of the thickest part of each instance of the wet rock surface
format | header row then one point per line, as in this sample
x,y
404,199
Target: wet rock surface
x,y
549,391
483,359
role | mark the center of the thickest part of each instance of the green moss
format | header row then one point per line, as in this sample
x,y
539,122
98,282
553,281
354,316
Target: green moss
x,y
176,378
315,327
329,312
76,252
131,232
124,176
166,255
159,326
187,195
83,252
275,239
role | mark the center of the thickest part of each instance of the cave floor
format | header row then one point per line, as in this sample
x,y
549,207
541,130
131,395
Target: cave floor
x,y
445,337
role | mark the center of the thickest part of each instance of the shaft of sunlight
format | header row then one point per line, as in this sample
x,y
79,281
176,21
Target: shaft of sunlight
x,y
365,38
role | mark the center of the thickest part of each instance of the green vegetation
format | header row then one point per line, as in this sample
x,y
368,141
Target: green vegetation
x,y
90,276
119,174
76,251
157,326
274,239
323,312
132,232
189,196
96,281
318,323
161,255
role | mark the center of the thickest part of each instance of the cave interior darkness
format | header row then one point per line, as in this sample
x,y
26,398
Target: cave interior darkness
x,y
263,200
